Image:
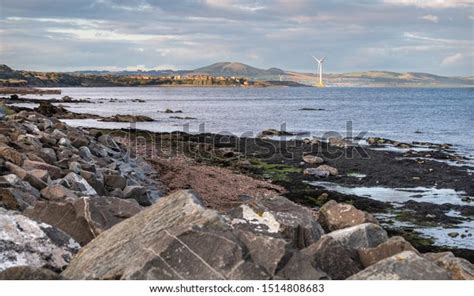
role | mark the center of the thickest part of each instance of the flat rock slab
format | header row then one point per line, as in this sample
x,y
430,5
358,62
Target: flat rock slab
x,y
176,238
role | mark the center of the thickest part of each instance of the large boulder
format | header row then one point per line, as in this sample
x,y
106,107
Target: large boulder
x,y
176,238
334,216
84,218
403,266
458,268
394,245
27,242
331,257
281,217
361,236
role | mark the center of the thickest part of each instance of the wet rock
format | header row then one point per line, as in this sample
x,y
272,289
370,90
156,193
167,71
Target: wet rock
x,y
84,218
28,273
403,266
137,193
278,216
176,238
78,183
11,155
57,193
331,257
312,159
458,268
334,216
54,171
127,118
24,241
393,246
361,236
115,181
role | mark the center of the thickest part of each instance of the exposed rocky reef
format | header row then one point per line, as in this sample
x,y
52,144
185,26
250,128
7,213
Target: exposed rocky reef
x,y
78,204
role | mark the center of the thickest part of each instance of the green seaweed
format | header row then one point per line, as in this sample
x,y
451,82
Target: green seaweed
x,y
275,172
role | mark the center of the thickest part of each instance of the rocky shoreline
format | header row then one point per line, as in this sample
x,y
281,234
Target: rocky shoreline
x,y
93,204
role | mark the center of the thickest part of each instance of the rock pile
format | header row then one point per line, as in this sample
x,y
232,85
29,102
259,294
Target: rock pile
x,y
80,182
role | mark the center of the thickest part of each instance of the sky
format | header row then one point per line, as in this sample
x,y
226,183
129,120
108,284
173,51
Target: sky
x,y
434,36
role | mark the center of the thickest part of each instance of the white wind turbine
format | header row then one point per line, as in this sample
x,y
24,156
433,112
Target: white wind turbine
x,y
320,70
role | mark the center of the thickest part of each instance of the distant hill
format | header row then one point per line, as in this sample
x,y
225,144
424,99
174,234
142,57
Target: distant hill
x,y
240,70
272,77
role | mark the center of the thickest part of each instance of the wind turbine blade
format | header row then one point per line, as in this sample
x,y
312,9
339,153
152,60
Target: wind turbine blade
x,y
316,59
322,60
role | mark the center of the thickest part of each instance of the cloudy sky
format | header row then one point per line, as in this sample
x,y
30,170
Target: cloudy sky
x,y
435,36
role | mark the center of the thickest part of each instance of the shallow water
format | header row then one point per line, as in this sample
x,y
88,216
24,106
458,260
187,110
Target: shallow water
x,y
442,115
398,196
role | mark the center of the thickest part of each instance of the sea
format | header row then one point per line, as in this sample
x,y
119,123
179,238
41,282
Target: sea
x,y
438,115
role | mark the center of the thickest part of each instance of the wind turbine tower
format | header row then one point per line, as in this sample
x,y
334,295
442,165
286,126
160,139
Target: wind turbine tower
x,y
320,70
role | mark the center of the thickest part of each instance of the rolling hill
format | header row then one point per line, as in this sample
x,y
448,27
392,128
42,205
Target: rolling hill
x,y
272,76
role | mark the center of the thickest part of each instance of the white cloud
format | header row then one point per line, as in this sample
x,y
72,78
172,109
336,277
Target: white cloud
x,y
432,3
232,4
430,17
456,42
92,34
452,59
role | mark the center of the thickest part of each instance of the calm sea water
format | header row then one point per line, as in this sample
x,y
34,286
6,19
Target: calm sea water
x,y
435,115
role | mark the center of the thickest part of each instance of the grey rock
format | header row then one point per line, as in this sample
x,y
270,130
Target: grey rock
x,y
361,236
331,257
281,217
393,246
334,216
78,183
57,193
301,267
27,242
137,193
458,268
176,238
49,155
403,266
85,153
115,181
